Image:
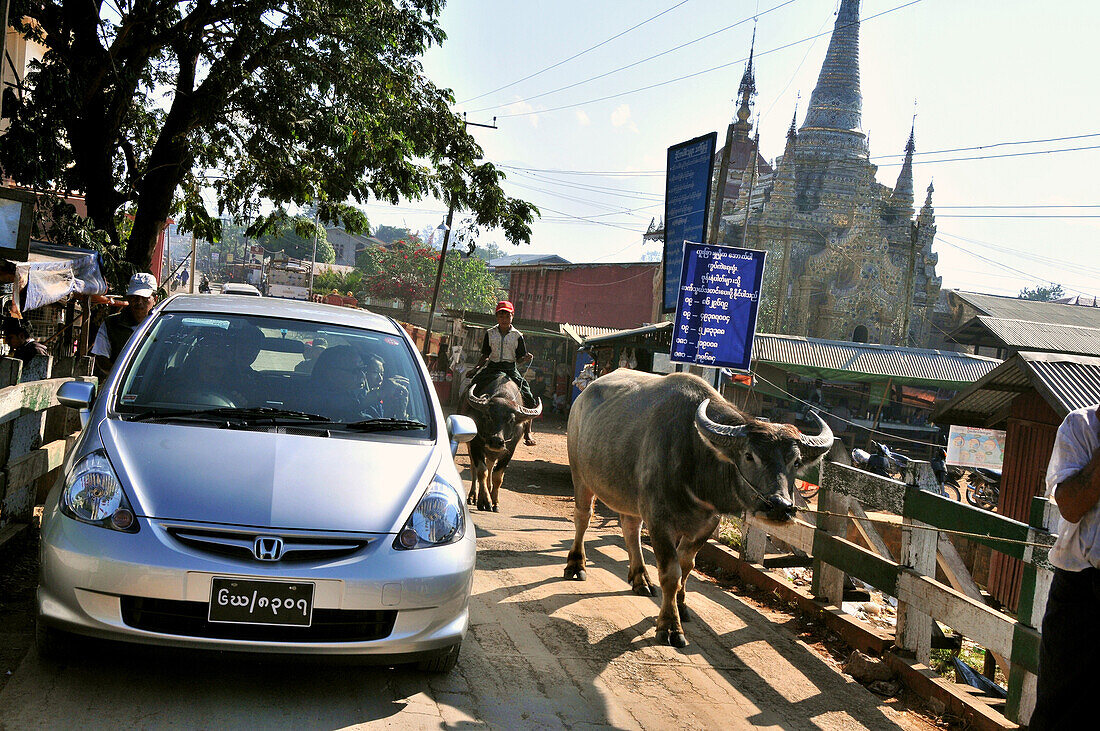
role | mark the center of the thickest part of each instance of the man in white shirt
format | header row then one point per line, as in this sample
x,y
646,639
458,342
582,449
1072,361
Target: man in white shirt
x,y
1069,652
502,351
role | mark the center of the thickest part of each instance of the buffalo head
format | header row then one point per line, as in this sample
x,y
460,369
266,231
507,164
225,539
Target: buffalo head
x,y
765,456
499,419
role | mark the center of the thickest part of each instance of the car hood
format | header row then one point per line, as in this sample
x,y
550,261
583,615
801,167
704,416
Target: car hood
x,y
263,479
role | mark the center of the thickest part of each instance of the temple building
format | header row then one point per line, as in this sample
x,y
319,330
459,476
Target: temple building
x,y
848,257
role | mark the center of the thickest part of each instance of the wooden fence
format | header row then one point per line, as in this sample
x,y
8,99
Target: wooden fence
x,y
36,433
847,493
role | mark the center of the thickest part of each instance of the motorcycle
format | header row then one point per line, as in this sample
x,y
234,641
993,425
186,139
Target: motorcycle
x,y
983,488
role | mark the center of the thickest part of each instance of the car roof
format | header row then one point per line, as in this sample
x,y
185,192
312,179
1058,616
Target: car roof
x,y
276,307
238,288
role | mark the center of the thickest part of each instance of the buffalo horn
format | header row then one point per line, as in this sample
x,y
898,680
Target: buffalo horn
x,y
537,411
481,403
824,440
704,422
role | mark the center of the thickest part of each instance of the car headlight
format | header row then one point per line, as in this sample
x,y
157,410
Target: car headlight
x,y
93,495
439,518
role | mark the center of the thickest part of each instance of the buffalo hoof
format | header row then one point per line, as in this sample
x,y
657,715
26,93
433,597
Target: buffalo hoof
x,y
485,507
685,615
644,590
673,639
496,508
575,573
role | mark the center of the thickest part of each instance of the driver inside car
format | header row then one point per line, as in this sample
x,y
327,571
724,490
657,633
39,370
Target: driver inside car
x,y
349,387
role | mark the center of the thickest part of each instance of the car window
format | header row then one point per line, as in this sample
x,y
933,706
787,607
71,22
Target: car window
x,y
199,361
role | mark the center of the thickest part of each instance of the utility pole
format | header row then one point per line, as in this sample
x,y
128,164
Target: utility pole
x,y
752,183
443,251
3,48
720,189
194,255
312,261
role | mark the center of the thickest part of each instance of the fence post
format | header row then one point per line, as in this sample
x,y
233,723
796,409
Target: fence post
x,y
918,552
828,581
754,541
1034,587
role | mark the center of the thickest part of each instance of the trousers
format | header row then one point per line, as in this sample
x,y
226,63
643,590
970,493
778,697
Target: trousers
x,y
509,369
1069,651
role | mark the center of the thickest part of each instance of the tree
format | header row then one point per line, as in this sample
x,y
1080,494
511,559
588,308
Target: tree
x,y
406,272
144,106
296,239
1042,293
389,234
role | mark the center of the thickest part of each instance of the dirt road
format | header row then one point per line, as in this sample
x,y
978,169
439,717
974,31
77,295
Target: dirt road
x,y
541,653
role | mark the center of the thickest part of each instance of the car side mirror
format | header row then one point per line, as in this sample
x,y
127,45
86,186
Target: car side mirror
x,y
77,395
461,429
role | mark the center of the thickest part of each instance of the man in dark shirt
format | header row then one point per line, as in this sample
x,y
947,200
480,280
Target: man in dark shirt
x,y
17,335
117,328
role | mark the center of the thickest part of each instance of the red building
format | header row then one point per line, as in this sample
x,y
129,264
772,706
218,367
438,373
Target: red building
x,y
605,295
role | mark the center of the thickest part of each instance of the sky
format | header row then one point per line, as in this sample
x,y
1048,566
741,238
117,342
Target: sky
x,y
975,72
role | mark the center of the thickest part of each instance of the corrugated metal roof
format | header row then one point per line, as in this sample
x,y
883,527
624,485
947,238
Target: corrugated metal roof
x,y
852,361
1037,336
1013,308
1067,382
905,365
591,331
1070,384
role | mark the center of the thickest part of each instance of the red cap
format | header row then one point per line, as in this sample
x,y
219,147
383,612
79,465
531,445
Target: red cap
x,y
505,306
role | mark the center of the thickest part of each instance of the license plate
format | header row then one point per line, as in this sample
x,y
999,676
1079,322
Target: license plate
x,y
244,601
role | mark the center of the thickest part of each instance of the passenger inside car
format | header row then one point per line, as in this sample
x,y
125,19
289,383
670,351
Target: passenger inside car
x,y
348,386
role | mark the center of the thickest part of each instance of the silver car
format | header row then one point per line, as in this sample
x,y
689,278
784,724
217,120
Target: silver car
x,y
262,475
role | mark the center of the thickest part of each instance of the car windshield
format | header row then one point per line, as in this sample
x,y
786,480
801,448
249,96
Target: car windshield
x,y
262,369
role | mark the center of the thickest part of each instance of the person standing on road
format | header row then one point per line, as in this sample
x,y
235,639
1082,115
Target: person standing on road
x,y
502,351
17,335
1069,650
141,295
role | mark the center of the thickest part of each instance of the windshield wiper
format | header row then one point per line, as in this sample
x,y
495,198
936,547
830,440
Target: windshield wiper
x,y
246,415
367,425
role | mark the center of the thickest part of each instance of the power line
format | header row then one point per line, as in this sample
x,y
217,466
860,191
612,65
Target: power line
x,y
595,188
1038,258
995,144
996,263
994,157
641,173
635,63
573,198
576,55
700,73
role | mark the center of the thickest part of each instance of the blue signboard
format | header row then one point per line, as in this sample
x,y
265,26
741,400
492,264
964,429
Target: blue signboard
x,y
687,197
716,312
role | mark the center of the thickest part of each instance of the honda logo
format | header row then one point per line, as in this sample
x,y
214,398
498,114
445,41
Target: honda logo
x,y
268,548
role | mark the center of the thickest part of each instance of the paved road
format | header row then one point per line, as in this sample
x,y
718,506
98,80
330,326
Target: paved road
x,y
541,653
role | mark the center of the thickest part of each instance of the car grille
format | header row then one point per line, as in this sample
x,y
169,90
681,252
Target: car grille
x,y
239,544
189,619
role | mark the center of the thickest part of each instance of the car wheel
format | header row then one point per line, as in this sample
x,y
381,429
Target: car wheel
x,y
440,661
51,644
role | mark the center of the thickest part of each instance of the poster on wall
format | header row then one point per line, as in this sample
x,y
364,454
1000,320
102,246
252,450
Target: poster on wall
x,y
687,197
974,447
717,307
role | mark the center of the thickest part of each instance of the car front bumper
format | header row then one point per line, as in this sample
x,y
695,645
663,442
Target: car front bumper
x,y
92,579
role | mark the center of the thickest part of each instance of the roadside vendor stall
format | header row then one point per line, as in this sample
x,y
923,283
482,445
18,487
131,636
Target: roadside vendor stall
x,y
52,291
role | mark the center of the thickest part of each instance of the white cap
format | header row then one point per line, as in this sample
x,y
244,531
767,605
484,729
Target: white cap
x,y
142,284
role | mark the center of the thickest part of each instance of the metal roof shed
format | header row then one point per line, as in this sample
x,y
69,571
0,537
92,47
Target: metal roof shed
x,y
1027,396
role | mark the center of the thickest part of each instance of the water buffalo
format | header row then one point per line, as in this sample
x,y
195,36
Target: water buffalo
x,y
500,417
670,451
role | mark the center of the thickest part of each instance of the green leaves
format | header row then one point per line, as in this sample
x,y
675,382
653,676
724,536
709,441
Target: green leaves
x,y
266,105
